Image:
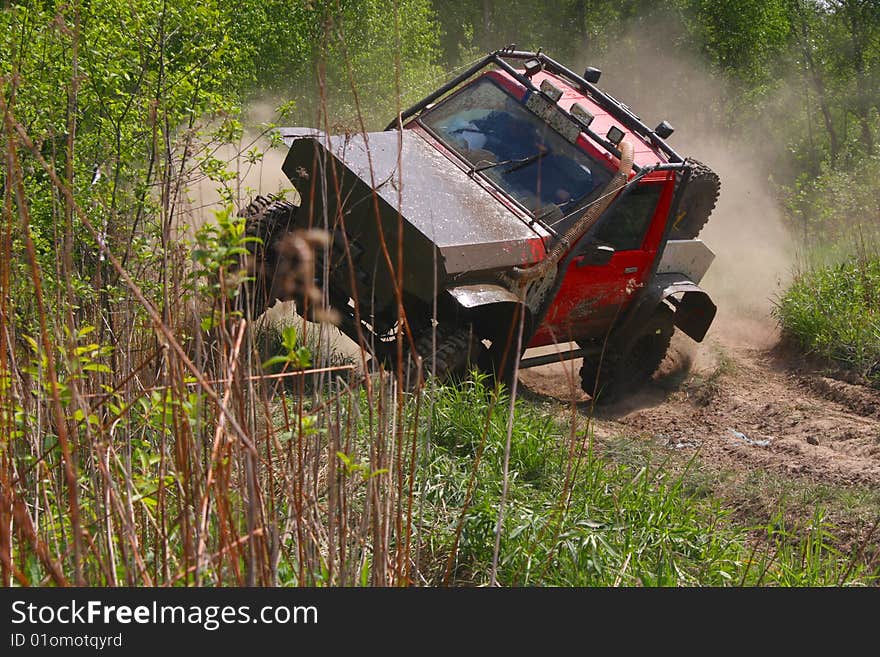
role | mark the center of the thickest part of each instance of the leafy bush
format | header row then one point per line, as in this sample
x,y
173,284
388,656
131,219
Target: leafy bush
x,y
836,210
834,311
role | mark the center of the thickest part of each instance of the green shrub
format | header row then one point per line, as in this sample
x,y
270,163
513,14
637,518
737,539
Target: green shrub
x,y
834,312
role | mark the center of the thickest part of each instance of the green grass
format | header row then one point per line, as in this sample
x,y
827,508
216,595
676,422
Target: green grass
x,y
367,485
576,516
834,312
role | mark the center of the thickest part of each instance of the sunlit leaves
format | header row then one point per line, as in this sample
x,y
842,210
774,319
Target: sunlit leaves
x,y
293,353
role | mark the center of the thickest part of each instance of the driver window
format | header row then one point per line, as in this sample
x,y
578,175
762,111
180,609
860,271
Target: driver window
x,y
514,148
625,227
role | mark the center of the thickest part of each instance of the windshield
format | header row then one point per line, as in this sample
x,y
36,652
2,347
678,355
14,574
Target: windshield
x,y
515,149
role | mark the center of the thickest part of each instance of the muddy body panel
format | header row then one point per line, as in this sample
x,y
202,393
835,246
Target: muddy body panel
x,y
448,224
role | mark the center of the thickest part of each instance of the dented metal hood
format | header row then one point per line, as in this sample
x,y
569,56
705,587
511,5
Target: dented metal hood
x,y
470,228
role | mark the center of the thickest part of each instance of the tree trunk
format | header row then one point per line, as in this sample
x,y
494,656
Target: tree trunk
x,y
859,19
487,26
581,26
816,79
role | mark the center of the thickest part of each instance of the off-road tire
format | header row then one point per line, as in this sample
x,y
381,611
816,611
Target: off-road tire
x,y
283,264
698,201
270,221
622,373
457,347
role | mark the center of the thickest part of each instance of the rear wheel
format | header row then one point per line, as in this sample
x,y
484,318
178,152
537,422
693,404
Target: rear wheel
x,y
622,373
284,264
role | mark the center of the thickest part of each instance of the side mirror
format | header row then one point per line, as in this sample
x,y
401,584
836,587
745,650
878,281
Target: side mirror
x,y
596,256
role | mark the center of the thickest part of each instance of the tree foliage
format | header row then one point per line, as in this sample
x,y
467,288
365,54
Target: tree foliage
x,y
337,54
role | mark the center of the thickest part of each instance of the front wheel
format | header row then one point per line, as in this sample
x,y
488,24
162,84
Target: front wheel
x,y
270,221
447,352
621,373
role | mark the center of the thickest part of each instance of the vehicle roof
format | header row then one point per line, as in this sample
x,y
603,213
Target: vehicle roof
x,y
646,153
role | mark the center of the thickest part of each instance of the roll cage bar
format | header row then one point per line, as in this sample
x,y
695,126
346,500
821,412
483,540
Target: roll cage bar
x,y
606,101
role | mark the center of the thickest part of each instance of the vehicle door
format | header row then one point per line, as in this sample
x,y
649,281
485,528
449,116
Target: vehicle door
x,y
596,288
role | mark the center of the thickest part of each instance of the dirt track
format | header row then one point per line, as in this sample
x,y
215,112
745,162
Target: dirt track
x,y
745,405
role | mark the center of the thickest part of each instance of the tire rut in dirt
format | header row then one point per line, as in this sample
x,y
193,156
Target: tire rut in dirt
x,y
858,399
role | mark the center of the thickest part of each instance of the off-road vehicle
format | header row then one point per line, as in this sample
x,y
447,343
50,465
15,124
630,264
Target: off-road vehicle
x,y
517,206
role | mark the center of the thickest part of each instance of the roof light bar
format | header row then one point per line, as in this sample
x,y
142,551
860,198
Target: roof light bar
x,y
550,90
582,114
532,66
664,130
592,75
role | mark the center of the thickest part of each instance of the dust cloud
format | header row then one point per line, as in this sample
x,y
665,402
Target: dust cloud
x,y
263,176
754,252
